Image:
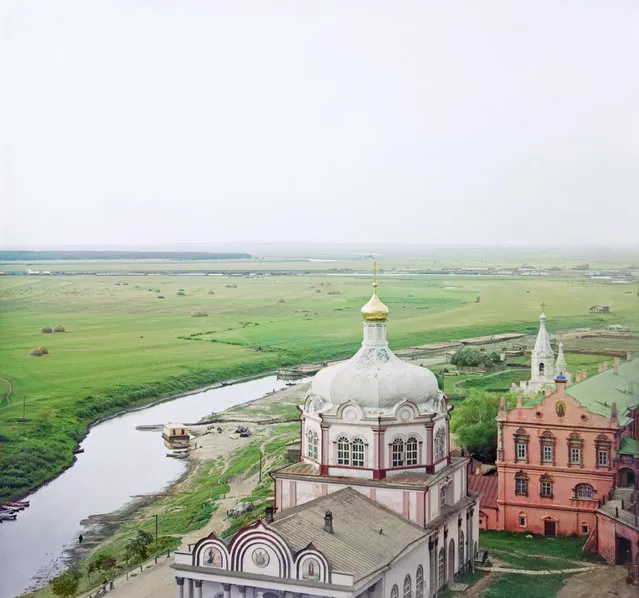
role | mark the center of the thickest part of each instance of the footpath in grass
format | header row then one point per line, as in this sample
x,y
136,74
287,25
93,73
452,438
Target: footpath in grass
x,y
511,585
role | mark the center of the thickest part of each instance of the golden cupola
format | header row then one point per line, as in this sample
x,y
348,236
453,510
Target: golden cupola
x,y
374,310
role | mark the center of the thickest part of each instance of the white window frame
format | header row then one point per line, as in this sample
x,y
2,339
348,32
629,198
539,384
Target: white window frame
x,y
343,451
412,451
357,455
547,452
397,453
575,455
521,451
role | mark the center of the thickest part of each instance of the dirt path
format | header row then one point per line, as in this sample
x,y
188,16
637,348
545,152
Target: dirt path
x,y
602,582
8,395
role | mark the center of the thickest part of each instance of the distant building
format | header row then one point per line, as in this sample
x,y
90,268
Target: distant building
x,y
376,505
600,309
543,366
175,436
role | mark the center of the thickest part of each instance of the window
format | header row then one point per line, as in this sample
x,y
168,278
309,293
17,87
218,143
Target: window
x,y
521,445
603,446
419,582
460,550
522,519
584,529
442,495
394,592
542,368
408,587
411,451
521,484
343,451
441,578
575,455
358,452
520,450
545,485
575,444
546,453
398,452
440,444
584,491
312,444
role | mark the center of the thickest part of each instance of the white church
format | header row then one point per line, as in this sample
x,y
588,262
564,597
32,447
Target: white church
x,y
376,507
543,365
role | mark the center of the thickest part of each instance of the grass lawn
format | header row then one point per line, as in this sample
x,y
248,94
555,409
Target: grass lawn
x,y
123,344
511,585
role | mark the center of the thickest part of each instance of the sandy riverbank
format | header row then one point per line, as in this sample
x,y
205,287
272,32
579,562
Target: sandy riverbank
x,y
207,444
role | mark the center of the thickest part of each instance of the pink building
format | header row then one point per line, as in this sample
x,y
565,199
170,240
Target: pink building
x,y
568,463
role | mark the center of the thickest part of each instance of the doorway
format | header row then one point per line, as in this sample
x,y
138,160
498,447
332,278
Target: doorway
x,y
627,478
550,528
624,550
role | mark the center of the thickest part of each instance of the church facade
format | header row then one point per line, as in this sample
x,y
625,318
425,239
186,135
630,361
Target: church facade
x,y
376,505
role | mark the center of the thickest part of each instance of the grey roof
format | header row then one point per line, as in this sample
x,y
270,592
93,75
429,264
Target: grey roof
x,y
542,344
356,546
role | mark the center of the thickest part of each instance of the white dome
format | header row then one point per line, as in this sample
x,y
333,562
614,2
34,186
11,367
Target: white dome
x,y
377,380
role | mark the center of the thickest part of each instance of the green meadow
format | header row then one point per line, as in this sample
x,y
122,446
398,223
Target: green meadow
x,y
123,344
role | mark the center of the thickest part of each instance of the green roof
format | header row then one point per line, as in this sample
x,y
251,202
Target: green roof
x,y
629,446
599,392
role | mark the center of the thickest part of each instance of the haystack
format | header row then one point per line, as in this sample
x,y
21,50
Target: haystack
x,y
59,329
35,353
43,350
199,314
46,330
160,296
211,292
281,300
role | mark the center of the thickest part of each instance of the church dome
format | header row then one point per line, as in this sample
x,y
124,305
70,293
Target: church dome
x,y
374,377
377,380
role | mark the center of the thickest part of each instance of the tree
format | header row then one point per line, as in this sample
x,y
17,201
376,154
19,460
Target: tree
x,y
66,584
104,563
138,548
466,357
473,421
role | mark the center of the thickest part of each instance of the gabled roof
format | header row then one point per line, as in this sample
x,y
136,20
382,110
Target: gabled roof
x,y
487,488
366,535
598,393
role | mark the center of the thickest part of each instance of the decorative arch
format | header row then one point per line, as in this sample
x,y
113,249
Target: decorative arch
x,y
210,552
405,411
584,492
311,564
353,407
408,587
419,582
257,535
394,592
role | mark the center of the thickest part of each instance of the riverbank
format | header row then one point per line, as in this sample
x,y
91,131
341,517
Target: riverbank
x,y
222,471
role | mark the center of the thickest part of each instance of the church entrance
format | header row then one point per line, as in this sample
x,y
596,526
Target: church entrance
x,y
624,550
627,478
550,528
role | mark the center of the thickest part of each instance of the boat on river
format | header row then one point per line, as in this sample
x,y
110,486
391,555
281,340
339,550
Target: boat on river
x,y
6,516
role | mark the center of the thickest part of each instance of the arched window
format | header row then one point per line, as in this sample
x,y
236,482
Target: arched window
x,y
547,444
440,444
419,582
542,368
411,451
521,445
408,587
398,452
460,550
394,592
358,452
584,491
575,444
343,451
441,568
311,568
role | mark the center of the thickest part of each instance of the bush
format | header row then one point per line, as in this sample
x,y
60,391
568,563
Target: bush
x,y
35,353
43,350
46,330
59,329
211,292
160,296
281,300
181,293
199,314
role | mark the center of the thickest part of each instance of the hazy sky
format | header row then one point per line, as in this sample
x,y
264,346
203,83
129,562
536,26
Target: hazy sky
x,y
137,122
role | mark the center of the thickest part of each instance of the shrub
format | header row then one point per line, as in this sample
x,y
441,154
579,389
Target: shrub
x,y
35,353
211,292
181,292
43,350
199,314
46,330
160,296
281,300
334,292
59,329
231,286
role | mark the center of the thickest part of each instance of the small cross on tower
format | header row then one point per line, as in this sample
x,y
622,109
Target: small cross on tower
x,y
543,306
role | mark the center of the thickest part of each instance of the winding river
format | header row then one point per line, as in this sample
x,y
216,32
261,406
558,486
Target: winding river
x,y
119,463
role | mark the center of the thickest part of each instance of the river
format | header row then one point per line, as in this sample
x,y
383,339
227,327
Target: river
x,y
119,463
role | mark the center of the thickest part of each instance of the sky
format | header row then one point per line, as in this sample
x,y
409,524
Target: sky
x,y
457,122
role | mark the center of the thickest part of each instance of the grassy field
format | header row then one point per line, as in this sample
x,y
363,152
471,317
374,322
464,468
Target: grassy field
x,y
123,344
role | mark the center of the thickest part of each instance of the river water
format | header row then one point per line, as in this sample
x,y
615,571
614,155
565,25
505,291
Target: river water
x,y
119,462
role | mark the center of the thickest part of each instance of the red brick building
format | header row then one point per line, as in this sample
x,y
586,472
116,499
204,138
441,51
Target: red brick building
x,y
568,463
